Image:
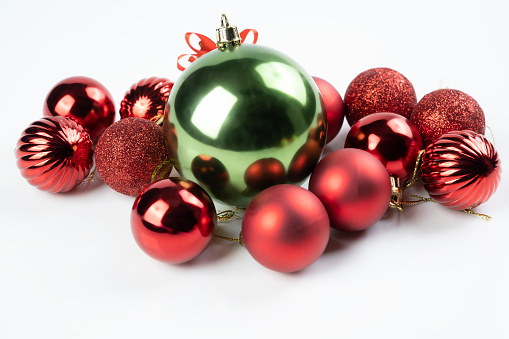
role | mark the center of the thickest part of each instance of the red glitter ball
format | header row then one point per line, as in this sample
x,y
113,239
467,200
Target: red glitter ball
x,y
446,110
379,90
128,153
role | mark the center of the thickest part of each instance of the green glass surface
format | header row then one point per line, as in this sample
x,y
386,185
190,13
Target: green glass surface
x,y
242,119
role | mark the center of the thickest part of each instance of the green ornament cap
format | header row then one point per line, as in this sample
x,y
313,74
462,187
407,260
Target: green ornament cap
x,y
227,35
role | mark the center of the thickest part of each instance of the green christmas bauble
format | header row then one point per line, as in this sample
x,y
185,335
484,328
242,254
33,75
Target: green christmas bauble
x,y
243,118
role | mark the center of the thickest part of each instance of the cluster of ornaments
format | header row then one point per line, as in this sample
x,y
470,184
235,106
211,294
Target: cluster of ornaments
x,y
245,125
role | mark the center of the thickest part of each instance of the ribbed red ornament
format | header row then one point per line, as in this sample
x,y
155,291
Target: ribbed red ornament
x,y
55,154
461,169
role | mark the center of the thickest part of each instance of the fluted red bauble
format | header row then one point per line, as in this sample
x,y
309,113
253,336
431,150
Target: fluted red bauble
x,y
461,169
390,137
354,187
334,107
173,220
379,90
83,100
146,99
446,110
54,154
285,228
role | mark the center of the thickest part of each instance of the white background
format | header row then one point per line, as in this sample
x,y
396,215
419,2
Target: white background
x,y
69,267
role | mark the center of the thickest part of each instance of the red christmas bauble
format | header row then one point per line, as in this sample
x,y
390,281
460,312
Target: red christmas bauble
x,y
146,99
393,139
446,110
85,101
461,169
173,220
334,107
55,154
353,186
128,153
379,90
285,228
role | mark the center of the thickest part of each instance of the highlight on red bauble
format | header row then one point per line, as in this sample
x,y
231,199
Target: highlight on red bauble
x,y
285,228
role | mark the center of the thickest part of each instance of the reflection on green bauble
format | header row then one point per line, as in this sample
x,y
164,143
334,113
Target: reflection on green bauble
x,y
243,119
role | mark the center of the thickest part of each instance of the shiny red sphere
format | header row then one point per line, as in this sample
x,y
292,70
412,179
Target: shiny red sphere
x,y
353,186
55,154
461,169
334,107
285,228
390,137
83,100
173,220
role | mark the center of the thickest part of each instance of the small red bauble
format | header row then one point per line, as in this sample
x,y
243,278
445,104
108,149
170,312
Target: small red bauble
x,y
334,107
128,153
379,90
173,220
446,110
285,228
85,101
393,139
146,99
353,186
54,154
461,169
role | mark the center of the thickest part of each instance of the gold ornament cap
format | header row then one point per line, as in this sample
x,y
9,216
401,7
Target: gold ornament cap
x,y
227,35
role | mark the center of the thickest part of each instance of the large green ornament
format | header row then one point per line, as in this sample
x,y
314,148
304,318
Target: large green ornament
x,y
242,118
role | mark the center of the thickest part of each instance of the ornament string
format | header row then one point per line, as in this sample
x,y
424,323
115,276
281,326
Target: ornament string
x,y
162,170
225,216
415,175
158,119
406,201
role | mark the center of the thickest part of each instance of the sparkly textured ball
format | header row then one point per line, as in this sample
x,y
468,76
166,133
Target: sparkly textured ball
x,y
354,187
461,169
446,110
54,154
173,220
334,107
285,228
379,90
146,99
128,153
84,100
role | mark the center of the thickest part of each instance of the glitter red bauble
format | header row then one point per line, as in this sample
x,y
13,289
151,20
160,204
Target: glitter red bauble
x,y
353,186
334,107
146,99
393,139
446,110
285,228
461,169
128,153
54,154
379,90
85,101
173,220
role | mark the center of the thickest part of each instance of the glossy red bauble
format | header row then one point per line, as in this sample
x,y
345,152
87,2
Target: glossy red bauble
x,y
173,220
285,228
334,107
461,169
83,100
54,154
393,139
353,186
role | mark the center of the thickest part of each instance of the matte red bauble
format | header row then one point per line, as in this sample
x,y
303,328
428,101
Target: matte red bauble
x,y
173,220
285,228
146,99
461,169
353,186
379,90
85,101
334,107
446,110
54,154
391,138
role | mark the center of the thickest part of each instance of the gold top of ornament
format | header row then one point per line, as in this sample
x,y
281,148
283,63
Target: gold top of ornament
x,y
227,35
